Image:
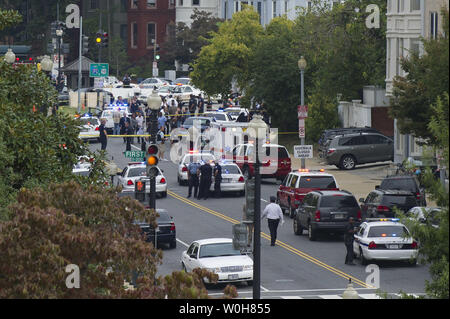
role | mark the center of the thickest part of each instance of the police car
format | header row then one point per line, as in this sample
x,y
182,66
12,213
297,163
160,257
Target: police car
x,y
384,239
137,171
192,157
108,114
232,179
89,127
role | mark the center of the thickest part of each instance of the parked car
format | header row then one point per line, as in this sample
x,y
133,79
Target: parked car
x,y
138,171
348,150
330,133
89,128
326,211
203,122
298,183
407,183
380,202
276,164
232,179
165,231
234,112
218,256
150,83
191,157
220,117
182,81
385,239
425,215
182,93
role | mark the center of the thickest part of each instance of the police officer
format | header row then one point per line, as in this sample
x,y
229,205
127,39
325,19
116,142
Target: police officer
x,y
348,241
217,180
193,172
205,180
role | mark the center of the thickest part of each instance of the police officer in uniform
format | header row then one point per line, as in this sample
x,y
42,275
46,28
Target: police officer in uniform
x,y
193,171
205,180
217,180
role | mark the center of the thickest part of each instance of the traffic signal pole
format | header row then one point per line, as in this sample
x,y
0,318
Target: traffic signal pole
x,y
79,65
153,132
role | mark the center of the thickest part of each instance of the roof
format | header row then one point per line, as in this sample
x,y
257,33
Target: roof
x,y
214,241
393,191
333,192
73,66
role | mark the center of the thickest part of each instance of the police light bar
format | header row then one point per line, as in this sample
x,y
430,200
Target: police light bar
x,y
382,219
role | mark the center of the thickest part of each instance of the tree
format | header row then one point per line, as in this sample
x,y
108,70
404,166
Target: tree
x,y
426,79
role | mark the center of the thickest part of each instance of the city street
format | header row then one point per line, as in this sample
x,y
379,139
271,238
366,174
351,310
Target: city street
x,y
295,267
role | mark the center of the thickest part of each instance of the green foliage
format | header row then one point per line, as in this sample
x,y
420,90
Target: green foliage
x,y
427,79
9,18
322,114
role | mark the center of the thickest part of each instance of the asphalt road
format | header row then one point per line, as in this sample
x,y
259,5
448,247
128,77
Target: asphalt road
x,y
295,267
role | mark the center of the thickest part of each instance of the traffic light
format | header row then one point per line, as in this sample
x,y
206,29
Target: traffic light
x,y
99,39
105,39
157,57
139,191
152,160
240,236
250,199
85,44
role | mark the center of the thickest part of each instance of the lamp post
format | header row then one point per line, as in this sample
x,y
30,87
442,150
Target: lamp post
x,y
257,130
302,67
46,64
10,57
154,103
59,34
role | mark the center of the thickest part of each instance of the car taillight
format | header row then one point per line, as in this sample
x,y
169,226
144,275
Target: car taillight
x,y
172,226
382,208
414,245
331,151
130,182
372,245
317,216
184,169
358,215
241,179
97,129
163,180
418,195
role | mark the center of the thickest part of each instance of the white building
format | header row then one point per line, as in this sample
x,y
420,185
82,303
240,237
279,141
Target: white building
x,y
407,22
185,8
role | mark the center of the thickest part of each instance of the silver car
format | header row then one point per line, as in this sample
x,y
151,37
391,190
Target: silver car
x,y
348,150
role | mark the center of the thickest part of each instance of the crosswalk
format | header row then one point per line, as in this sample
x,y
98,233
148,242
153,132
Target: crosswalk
x,y
371,296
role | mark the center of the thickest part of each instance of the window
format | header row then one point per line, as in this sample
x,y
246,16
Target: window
x,y
338,201
285,7
434,25
134,35
151,3
151,34
134,4
415,46
294,181
400,6
399,55
180,3
274,8
320,182
377,139
195,2
414,5
93,4
123,5
123,32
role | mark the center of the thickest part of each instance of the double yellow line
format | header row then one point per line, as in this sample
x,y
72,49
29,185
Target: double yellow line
x,y
280,243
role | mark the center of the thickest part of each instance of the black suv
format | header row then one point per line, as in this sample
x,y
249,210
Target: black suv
x,y
408,183
327,211
380,203
166,231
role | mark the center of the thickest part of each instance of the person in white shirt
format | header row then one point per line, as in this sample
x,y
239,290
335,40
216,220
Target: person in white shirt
x,y
274,214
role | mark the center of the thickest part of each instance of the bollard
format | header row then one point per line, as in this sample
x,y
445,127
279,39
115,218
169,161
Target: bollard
x,y
350,292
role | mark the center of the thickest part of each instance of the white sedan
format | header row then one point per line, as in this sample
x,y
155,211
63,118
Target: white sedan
x,y
138,171
89,128
218,256
384,239
191,157
232,179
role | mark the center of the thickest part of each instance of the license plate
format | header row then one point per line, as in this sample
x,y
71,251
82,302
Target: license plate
x,y
339,216
233,276
393,246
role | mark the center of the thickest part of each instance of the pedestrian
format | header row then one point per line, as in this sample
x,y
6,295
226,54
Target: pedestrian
x,y
116,120
192,104
160,140
134,125
193,172
274,214
128,131
161,121
124,119
140,126
348,241
103,134
217,179
201,104
205,180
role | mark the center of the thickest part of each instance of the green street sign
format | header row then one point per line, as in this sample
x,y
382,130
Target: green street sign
x,y
138,156
98,70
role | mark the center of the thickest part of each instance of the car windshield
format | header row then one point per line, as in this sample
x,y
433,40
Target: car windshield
x,y
271,151
338,201
190,121
230,169
388,231
89,121
217,250
138,171
182,81
322,182
108,113
163,217
407,184
197,158
217,116
81,173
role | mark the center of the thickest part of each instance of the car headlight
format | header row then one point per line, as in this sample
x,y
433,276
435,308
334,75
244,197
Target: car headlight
x,y
248,267
214,270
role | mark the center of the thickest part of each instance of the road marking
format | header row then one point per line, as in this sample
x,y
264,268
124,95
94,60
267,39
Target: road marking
x,y
369,296
330,297
280,243
291,297
182,243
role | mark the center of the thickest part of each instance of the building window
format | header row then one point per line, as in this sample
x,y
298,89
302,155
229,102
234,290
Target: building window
x,y
415,46
434,25
274,9
151,34
134,35
134,4
171,3
309,5
93,4
285,7
195,2
415,5
123,32
237,6
399,55
151,3
180,3
123,5
400,5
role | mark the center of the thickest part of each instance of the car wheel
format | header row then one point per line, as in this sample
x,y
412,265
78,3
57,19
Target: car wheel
x,y
347,162
173,244
298,229
163,194
291,211
312,234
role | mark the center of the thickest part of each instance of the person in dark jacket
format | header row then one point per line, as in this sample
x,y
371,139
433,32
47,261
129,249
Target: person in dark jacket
x,y
205,180
348,241
103,135
217,180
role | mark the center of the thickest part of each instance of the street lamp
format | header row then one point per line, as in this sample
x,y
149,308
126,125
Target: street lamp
x,y
302,67
59,34
10,57
257,130
154,104
46,64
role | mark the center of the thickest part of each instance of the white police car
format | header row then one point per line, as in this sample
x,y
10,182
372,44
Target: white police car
x,y
384,239
192,157
137,171
232,179
89,127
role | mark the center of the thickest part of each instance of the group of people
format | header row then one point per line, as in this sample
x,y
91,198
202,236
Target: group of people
x,y
200,178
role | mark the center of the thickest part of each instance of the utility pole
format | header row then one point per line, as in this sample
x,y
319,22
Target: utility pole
x,y
79,65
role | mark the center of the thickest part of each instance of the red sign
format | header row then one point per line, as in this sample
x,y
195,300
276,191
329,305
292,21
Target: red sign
x,y
301,127
302,111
